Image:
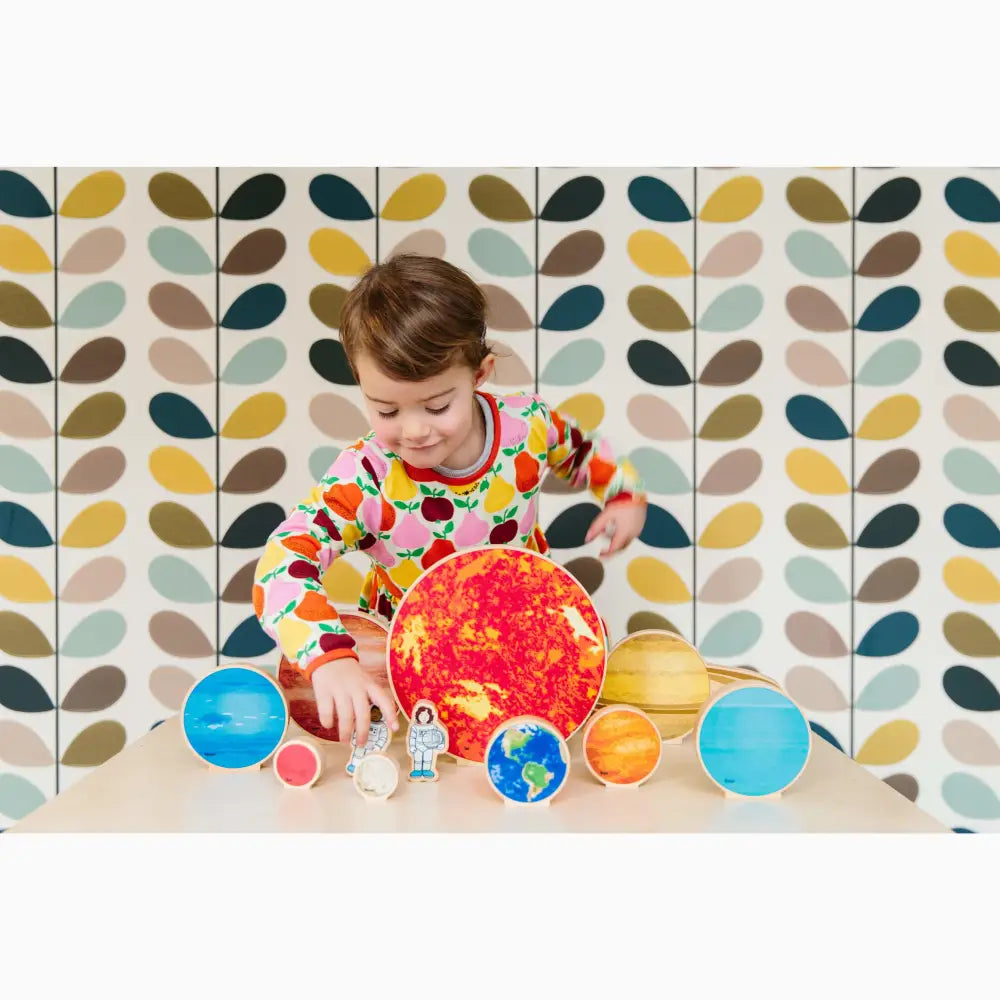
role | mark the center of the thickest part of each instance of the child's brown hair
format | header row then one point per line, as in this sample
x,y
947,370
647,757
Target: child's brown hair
x,y
415,317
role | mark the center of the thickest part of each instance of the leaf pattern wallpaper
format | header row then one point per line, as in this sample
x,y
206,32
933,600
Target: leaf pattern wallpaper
x,y
803,364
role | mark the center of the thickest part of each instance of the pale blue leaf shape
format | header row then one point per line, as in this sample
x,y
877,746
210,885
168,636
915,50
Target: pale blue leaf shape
x,y
889,689
179,252
971,472
734,309
891,364
574,363
814,581
95,306
815,255
21,472
497,254
970,796
18,796
732,635
97,635
659,472
321,460
177,580
256,363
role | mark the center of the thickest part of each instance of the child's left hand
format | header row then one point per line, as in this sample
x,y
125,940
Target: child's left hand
x,y
625,520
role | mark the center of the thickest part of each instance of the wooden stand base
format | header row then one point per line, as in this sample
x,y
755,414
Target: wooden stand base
x,y
749,798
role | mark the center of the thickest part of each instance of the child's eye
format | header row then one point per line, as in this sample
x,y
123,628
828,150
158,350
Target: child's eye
x,y
438,411
387,416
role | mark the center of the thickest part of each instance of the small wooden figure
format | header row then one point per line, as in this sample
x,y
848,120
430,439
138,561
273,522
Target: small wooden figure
x,y
379,738
297,764
752,740
376,777
235,717
527,761
425,739
621,746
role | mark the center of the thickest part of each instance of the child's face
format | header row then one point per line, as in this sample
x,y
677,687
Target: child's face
x,y
429,423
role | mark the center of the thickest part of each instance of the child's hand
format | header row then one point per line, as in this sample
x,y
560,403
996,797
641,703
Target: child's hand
x,y
623,521
343,686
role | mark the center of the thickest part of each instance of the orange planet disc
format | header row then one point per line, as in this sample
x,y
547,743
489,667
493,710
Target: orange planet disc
x,y
492,633
621,745
370,634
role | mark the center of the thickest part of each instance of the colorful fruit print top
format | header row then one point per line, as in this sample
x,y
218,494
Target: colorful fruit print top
x,y
405,519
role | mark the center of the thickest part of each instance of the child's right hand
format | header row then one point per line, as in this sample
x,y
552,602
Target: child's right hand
x,y
342,686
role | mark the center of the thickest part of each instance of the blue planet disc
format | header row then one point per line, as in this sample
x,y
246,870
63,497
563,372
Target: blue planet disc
x,y
527,760
753,741
235,717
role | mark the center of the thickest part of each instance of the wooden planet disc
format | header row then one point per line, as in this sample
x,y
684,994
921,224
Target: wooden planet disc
x,y
662,674
376,777
370,634
492,633
752,739
297,764
527,760
621,745
235,717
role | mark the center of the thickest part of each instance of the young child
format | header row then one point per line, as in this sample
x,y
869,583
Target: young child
x,y
446,467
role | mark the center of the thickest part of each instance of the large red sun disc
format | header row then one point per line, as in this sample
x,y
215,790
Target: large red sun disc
x,y
492,633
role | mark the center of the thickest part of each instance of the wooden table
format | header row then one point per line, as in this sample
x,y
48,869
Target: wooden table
x,y
156,785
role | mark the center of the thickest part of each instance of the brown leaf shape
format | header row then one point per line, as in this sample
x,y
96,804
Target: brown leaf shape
x,y
179,527
971,309
95,691
504,312
642,620
732,419
170,686
498,199
656,310
256,472
732,473
814,527
20,418
95,417
588,571
177,635
95,362
326,301
94,252
96,581
337,417
94,472
734,364
814,364
179,362
970,635
425,242
815,310
239,590
20,636
891,472
21,746
21,309
179,307
657,419
891,256
256,253
510,370
814,636
732,256
178,198
905,784
890,582
96,745
968,417
574,255
814,201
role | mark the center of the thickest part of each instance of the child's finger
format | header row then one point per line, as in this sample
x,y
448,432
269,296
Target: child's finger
x,y
345,720
324,705
618,541
362,716
596,527
381,697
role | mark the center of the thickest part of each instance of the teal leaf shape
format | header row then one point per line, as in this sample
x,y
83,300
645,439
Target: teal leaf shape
x,y
970,689
891,364
972,200
889,689
321,460
662,530
21,692
890,635
891,310
178,251
733,635
814,581
574,310
20,198
963,467
498,254
890,527
734,309
970,796
338,198
95,306
257,307
177,580
21,527
575,363
18,796
256,362
97,635
247,640
657,200
574,200
21,472
815,255
814,419
659,472
177,416
971,526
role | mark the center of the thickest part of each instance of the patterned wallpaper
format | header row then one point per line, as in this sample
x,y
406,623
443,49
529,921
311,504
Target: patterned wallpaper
x,y
802,363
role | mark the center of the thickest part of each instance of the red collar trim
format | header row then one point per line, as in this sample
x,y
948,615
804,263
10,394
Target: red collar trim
x,y
432,476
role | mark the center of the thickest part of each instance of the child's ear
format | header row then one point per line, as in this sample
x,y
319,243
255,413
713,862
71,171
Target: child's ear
x,y
485,371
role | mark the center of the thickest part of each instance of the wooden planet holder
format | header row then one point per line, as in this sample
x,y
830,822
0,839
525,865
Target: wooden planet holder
x,y
234,718
622,747
752,740
527,761
297,764
376,777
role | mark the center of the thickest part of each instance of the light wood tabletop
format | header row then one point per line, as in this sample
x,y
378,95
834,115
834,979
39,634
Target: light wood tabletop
x,y
156,785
